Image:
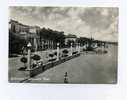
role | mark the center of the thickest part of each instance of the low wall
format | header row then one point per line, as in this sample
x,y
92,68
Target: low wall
x,y
40,69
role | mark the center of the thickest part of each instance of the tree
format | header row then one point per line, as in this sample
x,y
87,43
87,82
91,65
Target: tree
x,y
51,55
36,57
55,53
75,52
65,53
15,43
23,60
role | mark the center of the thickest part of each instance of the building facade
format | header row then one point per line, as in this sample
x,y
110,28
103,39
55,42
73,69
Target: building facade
x,y
29,33
16,27
70,38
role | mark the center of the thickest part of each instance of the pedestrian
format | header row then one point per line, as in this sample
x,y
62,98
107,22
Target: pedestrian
x,y
66,78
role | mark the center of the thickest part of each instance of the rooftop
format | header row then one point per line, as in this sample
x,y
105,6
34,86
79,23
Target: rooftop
x,y
71,36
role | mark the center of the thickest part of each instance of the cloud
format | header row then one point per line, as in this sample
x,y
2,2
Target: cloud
x,y
102,22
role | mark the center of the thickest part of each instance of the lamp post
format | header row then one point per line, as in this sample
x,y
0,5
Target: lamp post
x,y
58,51
29,55
71,49
42,45
79,47
84,46
76,46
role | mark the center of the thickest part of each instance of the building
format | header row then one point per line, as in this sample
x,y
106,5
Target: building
x,y
70,38
16,27
34,31
29,33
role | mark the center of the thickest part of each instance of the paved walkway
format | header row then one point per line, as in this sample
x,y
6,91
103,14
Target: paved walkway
x,y
14,64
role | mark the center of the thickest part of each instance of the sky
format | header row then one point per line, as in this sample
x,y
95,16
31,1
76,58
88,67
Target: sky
x,y
99,22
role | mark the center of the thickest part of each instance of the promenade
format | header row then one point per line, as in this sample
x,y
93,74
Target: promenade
x,y
88,69
14,64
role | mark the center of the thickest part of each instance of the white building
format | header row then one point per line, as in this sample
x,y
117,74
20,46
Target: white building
x,y
29,33
70,37
16,27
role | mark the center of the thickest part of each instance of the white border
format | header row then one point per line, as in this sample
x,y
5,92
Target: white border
x,y
64,3
27,91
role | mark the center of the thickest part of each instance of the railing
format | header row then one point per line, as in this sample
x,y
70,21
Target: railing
x,y
39,69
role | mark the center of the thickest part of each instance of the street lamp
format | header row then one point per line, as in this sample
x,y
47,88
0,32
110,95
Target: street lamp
x,y
29,55
58,51
71,49
79,47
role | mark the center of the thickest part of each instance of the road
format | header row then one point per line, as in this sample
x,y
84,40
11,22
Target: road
x,y
86,69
